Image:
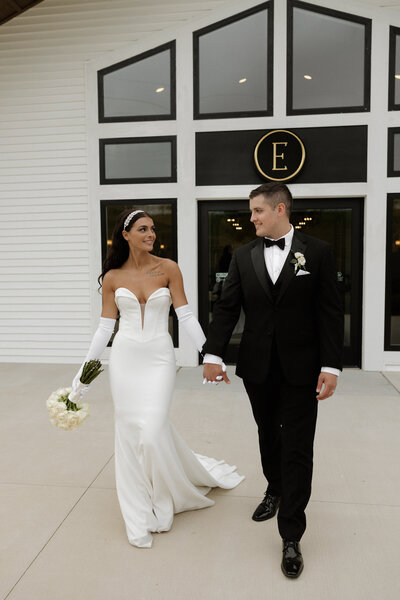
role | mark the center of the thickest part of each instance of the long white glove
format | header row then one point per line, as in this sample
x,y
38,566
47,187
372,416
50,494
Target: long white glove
x,y
191,326
97,346
193,329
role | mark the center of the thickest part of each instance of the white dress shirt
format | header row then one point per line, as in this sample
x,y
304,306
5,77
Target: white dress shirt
x,y
274,258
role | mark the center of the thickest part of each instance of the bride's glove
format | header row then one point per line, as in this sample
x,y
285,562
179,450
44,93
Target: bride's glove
x,y
193,328
97,346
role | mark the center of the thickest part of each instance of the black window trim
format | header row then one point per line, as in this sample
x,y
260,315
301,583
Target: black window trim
x,y
103,142
138,202
391,172
393,33
171,46
388,281
367,59
269,5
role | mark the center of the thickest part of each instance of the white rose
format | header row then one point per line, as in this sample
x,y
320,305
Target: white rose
x,y
73,419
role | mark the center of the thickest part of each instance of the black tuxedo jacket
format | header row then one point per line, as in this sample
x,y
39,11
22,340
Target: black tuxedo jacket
x,y
303,313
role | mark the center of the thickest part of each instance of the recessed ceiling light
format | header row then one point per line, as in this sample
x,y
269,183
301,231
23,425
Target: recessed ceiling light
x,y
307,77
243,80
397,76
161,89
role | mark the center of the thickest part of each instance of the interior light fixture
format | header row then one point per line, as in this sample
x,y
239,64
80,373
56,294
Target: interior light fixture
x,y
307,77
160,89
109,242
397,243
239,228
162,246
397,76
243,80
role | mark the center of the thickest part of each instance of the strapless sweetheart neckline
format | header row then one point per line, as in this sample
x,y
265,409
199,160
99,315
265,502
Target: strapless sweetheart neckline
x,y
136,298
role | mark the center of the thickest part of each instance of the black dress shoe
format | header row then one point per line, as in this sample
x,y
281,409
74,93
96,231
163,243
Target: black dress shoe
x,y
267,508
292,560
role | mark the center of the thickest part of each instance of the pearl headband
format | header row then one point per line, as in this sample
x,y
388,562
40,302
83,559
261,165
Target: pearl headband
x,y
130,217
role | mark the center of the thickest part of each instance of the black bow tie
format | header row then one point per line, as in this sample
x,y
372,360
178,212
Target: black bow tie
x,y
280,243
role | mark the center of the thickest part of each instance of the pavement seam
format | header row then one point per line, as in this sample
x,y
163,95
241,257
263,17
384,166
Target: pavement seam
x,y
57,528
392,384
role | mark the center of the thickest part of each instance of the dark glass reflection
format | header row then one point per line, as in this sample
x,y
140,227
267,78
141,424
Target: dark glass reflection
x,y
138,160
139,89
233,66
394,266
396,152
397,72
328,61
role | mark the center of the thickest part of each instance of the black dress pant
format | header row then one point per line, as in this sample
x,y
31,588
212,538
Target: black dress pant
x,y
286,417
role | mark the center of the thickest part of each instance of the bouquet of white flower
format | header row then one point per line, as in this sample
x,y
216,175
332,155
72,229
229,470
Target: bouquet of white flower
x,y
64,412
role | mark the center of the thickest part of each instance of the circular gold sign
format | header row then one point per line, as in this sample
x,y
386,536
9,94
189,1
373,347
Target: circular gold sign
x,y
279,155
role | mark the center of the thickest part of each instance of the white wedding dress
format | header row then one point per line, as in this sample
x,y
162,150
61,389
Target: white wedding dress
x,y
157,474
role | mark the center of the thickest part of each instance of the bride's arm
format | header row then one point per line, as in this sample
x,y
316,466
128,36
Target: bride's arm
x,y
183,311
185,315
102,334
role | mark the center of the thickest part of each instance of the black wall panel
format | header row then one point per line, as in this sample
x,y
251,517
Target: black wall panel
x,y
333,155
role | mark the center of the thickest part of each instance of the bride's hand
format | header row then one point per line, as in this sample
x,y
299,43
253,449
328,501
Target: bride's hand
x,y
214,373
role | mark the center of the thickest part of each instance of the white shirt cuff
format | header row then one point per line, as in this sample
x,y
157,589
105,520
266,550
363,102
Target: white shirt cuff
x,y
331,370
211,358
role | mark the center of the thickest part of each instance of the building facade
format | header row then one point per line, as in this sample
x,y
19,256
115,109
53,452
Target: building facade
x,y
182,108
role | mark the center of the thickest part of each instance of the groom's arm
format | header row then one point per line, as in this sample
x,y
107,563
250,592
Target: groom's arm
x,y
331,326
225,314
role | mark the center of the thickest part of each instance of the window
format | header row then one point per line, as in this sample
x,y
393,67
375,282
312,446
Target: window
x,y
394,69
392,317
329,54
233,66
163,213
393,152
138,160
141,88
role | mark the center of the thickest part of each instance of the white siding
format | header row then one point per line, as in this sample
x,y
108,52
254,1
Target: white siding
x,y
45,278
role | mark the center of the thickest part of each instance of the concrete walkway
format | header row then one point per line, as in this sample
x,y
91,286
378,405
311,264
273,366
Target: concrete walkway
x,y
62,536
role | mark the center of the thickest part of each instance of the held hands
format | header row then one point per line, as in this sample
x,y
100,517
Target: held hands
x,y
326,385
214,373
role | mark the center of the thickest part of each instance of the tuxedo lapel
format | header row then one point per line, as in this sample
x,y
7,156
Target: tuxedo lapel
x,y
288,272
257,257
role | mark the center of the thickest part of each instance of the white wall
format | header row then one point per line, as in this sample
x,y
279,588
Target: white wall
x,y
46,281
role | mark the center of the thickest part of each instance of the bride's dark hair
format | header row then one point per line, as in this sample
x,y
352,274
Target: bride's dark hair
x,y
119,251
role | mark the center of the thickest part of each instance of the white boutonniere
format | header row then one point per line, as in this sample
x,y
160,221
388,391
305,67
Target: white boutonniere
x,y
299,262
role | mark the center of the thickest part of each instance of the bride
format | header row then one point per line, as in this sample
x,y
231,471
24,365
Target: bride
x,y
157,475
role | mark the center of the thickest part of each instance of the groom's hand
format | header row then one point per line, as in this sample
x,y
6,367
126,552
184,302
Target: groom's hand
x,y
326,385
212,372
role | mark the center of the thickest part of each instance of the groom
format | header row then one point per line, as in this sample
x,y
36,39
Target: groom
x,y
290,355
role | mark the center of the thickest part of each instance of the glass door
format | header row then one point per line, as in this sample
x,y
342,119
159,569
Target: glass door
x,y
225,226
